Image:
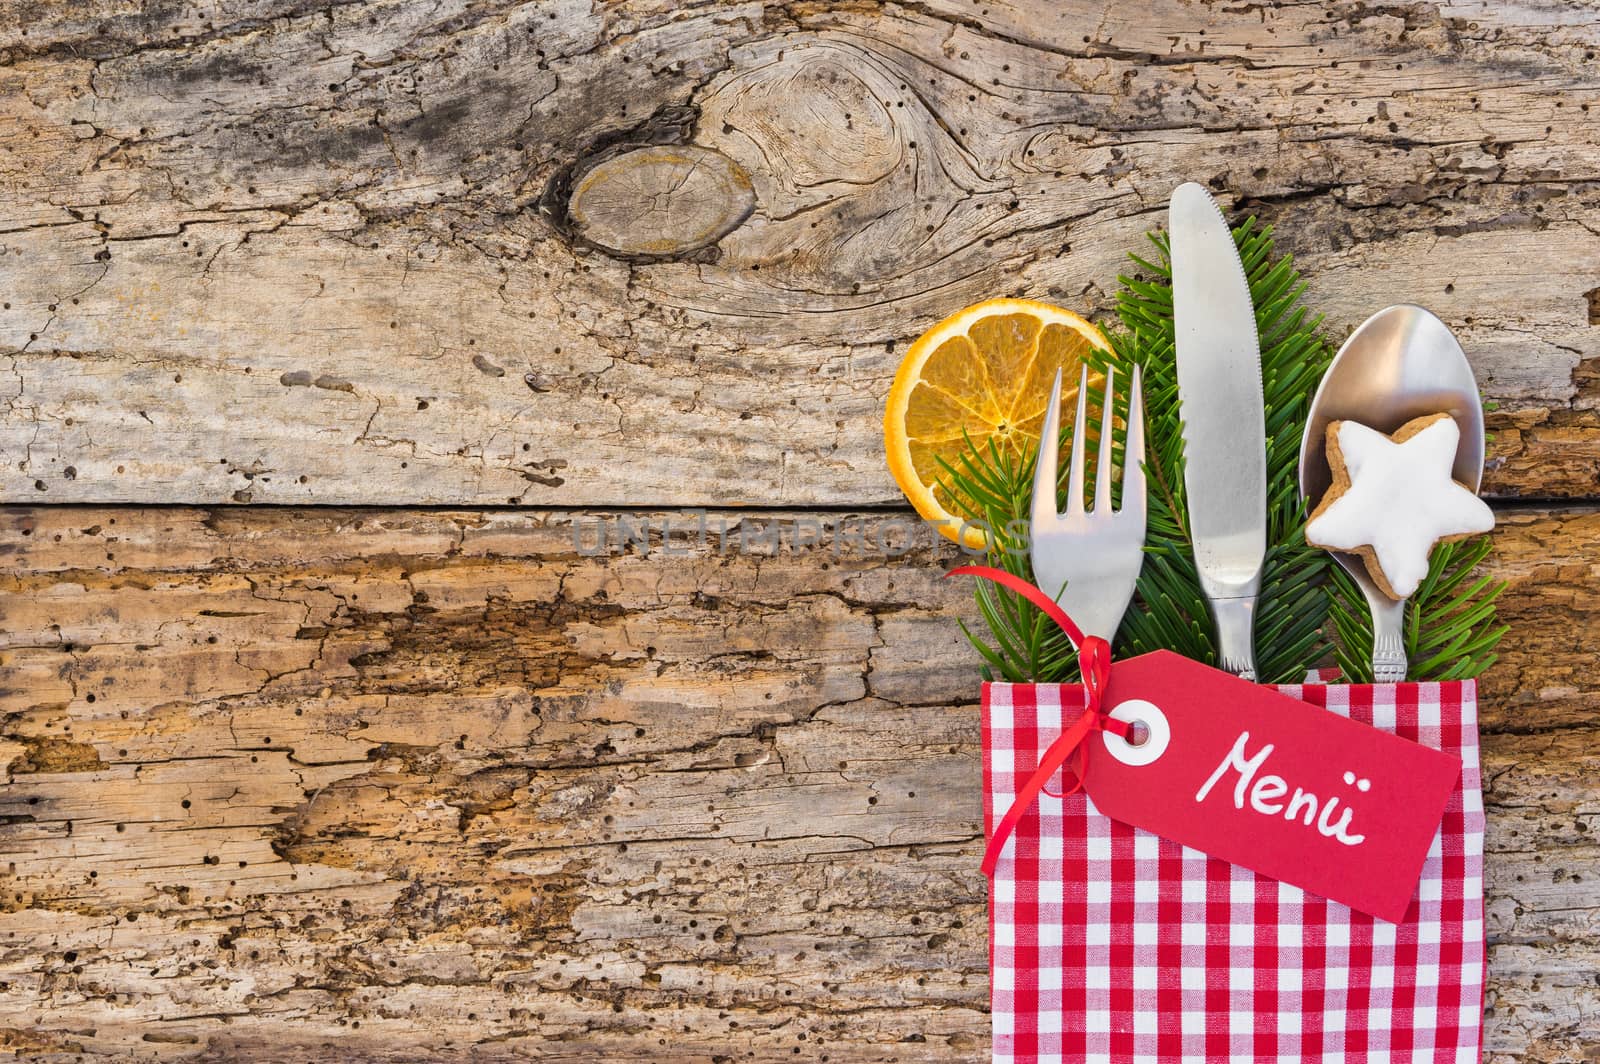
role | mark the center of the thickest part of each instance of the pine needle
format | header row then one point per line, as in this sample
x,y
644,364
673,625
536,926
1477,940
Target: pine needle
x,y
1309,612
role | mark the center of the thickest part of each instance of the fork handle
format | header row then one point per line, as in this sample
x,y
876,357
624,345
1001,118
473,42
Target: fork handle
x,y
1236,624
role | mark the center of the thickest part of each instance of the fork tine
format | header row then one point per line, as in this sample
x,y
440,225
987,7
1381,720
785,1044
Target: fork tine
x,y
1102,465
1134,500
1044,471
1075,477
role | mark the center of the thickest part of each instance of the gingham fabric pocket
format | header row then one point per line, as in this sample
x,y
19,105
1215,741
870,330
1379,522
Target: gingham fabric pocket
x,y
1108,943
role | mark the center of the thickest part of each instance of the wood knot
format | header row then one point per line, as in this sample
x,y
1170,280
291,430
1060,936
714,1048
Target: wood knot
x,y
660,201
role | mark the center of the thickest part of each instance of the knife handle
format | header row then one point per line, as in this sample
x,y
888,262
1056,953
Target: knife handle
x,y
1236,625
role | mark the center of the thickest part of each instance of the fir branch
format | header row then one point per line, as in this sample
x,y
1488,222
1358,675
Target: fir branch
x,y
1309,610
1026,645
1169,609
1451,629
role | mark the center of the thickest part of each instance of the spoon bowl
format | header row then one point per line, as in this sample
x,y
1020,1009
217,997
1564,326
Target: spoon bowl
x,y
1400,364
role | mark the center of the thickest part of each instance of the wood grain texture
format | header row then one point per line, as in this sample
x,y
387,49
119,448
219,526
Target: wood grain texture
x,y
277,251
400,784
384,785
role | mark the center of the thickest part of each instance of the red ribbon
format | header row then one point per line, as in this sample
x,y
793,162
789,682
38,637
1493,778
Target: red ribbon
x,y
1094,661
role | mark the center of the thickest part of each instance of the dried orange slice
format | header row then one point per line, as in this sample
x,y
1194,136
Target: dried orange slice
x,y
983,374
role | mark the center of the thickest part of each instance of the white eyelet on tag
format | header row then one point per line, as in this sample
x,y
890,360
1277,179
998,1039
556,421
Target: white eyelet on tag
x,y
1138,711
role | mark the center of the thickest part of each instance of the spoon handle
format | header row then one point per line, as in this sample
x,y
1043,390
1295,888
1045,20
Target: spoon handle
x,y
1388,639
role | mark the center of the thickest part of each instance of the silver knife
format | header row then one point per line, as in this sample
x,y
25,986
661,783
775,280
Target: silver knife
x,y
1224,423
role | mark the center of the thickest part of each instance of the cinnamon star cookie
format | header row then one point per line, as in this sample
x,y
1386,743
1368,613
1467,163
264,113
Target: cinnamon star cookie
x,y
1393,498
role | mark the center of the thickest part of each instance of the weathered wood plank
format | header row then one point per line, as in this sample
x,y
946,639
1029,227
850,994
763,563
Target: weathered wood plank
x,y
287,252
274,774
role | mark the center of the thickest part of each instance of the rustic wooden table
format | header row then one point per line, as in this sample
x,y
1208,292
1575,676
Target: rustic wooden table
x,y
382,766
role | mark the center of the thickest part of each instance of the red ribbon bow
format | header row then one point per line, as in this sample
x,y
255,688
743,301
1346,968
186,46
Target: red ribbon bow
x,y
1094,661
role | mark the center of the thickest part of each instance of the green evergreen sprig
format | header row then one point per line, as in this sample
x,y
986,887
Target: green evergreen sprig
x,y
1451,633
1309,613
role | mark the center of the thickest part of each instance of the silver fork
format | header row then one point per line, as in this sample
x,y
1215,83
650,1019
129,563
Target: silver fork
x,y
1088,559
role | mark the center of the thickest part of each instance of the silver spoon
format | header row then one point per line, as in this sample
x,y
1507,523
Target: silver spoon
x,y
1402,363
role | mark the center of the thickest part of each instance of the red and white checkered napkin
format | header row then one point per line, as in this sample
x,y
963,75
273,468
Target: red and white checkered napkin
x,y
1108,943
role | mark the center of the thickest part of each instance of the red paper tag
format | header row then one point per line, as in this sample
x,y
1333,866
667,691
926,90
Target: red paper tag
x,y
1271,783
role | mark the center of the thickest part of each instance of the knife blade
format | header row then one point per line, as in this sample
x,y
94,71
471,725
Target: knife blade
x,y
1224,420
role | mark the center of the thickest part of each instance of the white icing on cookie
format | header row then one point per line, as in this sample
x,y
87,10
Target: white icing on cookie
x,y
1401,500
